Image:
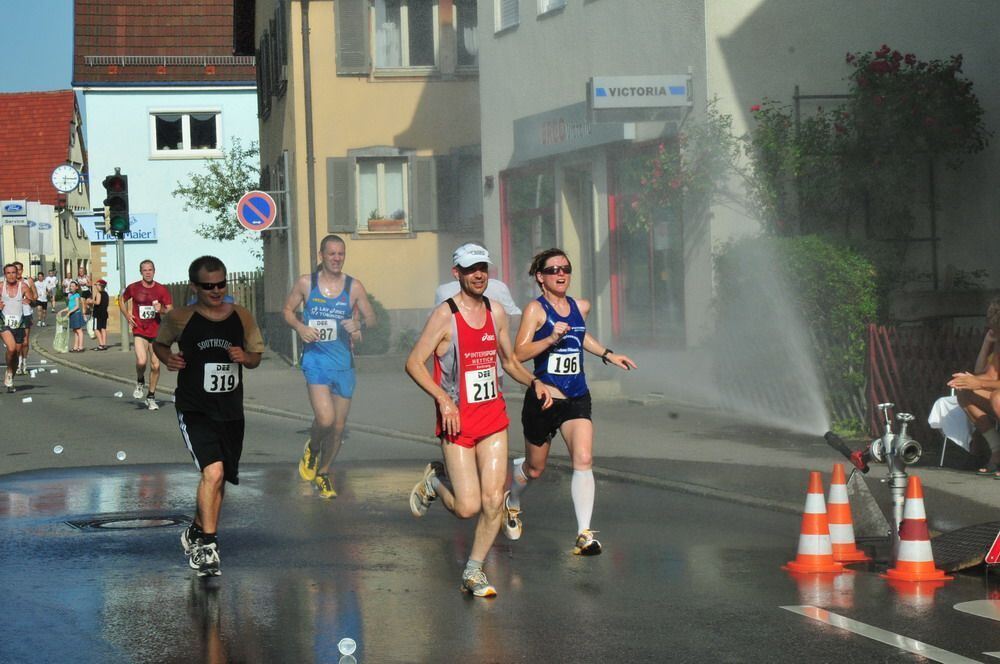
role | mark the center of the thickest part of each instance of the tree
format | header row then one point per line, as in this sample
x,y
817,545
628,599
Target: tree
x,y
217,191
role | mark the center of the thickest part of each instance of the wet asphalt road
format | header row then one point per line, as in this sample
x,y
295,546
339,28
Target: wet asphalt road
x,y
683,579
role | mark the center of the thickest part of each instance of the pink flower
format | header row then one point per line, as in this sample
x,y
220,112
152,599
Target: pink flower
x,y
910,59
755,108
635,205
675,183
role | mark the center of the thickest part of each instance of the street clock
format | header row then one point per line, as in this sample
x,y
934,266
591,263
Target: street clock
x,y
65,178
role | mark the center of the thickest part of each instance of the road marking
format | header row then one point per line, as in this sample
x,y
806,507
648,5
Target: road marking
x,y
993,654
926,650
984,608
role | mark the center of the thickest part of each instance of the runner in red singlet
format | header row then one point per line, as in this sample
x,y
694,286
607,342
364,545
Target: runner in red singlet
x,y
466,336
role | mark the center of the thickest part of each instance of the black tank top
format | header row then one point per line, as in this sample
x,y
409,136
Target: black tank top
x,y
211,383
101,305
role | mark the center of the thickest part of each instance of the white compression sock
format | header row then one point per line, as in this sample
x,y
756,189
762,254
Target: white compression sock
x,y
519,482
582,488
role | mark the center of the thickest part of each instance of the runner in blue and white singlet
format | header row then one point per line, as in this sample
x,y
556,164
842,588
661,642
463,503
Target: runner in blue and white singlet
x,y
561,365
329,298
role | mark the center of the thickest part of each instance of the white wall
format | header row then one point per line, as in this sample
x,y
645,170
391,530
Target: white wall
x,y
118,134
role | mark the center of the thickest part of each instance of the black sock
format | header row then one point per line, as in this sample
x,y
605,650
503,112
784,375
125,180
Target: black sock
x,y
209,538
149,395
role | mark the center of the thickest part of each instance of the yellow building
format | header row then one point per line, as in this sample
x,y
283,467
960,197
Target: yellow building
x,y
369,120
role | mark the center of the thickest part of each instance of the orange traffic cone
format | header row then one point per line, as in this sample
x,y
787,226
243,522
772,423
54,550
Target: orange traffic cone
x,y
915,560
841,523
815,552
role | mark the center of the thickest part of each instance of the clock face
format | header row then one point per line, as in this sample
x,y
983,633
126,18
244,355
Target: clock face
x,y
65,178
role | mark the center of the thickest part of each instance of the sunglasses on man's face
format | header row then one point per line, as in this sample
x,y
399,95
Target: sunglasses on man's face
x,y
556,269
208,285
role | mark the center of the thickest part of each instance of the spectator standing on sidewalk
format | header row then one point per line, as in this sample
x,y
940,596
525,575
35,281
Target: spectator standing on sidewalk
x,y
143,303
215,341
74,311
100,313
554,334
329,298
978,393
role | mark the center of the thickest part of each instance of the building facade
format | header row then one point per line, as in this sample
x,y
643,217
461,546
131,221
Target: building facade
x,y
369,120
166,88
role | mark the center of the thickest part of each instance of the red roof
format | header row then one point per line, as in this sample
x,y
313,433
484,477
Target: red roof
x,y
151,41
35,131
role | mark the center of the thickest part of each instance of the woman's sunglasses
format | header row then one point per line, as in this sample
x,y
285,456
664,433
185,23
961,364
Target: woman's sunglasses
x,y
556,269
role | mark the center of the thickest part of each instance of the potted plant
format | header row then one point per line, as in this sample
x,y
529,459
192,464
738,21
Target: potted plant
x,y
378,223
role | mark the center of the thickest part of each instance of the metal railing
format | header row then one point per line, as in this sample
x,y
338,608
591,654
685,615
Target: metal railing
x,y
175,60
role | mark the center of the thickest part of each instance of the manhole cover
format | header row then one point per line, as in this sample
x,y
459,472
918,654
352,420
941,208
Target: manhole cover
x,y
965,547
130,521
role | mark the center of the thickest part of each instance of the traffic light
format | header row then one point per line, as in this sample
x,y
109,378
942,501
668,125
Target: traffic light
x,y
117,203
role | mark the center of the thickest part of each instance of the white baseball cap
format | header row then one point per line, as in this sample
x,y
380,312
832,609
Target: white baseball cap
x,y
470,254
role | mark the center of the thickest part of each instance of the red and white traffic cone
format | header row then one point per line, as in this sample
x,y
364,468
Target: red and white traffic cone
x,y
914,560
841,523
815,552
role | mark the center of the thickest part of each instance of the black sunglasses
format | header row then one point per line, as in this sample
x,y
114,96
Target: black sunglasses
x,y
556,269
207,285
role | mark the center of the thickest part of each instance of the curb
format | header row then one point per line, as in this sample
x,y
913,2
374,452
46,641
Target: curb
x,y
603,473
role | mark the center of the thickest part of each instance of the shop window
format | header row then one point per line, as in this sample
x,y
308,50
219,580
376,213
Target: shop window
x,y
529,225
406,33
190,134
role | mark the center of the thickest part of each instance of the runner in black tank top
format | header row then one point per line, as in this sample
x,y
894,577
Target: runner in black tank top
x,y
215,340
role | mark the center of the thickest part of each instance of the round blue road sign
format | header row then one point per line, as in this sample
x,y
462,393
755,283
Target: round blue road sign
x,y
256,210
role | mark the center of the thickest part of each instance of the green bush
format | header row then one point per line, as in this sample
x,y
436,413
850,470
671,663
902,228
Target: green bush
x,y
407,339
831,287
375,341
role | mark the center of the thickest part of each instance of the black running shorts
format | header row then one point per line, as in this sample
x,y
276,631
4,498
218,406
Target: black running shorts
x,y
541,425
210,441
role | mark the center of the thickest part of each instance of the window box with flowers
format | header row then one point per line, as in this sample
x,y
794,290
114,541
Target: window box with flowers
x,y
378,223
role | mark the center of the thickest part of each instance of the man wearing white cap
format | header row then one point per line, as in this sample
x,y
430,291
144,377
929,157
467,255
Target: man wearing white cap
x,y
496,290
467,337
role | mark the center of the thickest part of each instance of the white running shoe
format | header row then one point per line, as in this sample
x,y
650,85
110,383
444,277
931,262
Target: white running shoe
x,y
8,380
477,584
423,493
151,404
511,519
140,389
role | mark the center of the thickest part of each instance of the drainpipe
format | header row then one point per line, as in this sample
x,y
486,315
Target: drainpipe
x,y
310,154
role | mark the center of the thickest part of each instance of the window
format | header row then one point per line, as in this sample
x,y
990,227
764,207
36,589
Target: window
x,y
505,14
546,6
406,33
382,195
185,134
467,32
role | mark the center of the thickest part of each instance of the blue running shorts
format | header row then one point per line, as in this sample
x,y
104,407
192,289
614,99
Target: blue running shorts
x,y
318,371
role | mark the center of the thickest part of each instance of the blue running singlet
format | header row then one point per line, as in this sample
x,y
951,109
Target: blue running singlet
x,y
325,315
562,365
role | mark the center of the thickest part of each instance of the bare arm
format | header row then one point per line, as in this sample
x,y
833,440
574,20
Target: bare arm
x,y
592,345
126,310
362,305
298,295
531,321
989,344
437,331
512,366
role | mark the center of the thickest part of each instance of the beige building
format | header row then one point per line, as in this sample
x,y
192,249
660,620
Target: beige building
x,y
369,120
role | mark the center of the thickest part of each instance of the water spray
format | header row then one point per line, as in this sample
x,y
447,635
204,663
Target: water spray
x,y
895,450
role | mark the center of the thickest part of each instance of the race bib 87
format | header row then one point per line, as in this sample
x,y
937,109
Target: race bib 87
x,y
326,327
480,385
221,377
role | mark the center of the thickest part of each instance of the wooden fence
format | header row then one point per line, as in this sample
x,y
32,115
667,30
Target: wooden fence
x,y
246,289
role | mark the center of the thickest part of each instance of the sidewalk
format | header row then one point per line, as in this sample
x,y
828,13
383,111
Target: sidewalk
x,y
647,441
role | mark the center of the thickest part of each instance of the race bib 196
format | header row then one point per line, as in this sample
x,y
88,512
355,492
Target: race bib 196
x,y
147,312
563,364
221,377
480,385
326,327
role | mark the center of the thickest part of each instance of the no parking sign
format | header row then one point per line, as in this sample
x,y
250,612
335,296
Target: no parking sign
x,y
256,210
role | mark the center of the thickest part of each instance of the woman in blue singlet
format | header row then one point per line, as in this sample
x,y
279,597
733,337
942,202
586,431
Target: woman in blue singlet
x,y
554,335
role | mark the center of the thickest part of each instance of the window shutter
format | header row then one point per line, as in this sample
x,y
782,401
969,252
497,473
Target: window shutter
x,y
352,37
447,191
340,195
507,14
423,195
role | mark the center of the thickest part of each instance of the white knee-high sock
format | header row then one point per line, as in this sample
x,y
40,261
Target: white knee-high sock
x,y
519,482
583,488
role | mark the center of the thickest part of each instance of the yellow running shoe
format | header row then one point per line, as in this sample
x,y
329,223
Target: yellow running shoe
x,y
477,584
324,486
307,464
587,544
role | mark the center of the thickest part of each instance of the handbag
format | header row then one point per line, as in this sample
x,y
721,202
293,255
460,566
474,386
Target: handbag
x,y
92,328
60,343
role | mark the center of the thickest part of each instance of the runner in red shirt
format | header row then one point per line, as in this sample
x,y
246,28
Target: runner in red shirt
x,y
149,300
467,336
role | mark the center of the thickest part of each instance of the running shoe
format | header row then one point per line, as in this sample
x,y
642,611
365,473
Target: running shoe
x,y
8,381
205,559
423,493
324,486
21,371
477,584
586,544
308,463
511,519
151,404
140,389
188,539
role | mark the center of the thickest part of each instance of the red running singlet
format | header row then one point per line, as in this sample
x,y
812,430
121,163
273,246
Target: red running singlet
x,y
468,372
